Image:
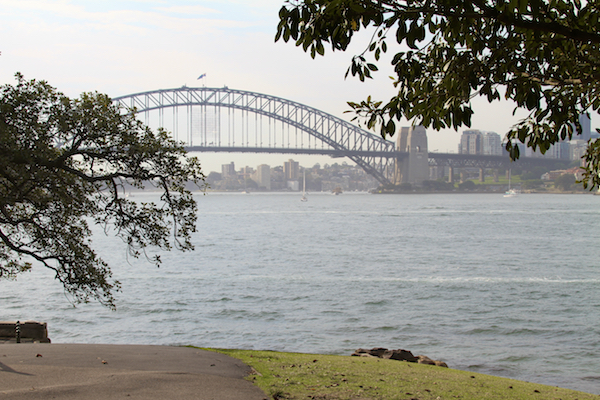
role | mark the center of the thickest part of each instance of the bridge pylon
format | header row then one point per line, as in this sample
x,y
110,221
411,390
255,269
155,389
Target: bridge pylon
x,y
413,169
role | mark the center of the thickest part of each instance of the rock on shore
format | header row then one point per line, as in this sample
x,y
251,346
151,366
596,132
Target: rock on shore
x,y
399,354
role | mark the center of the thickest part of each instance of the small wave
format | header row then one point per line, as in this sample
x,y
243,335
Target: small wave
x,y
376,303
495,330
387,328
590,378
249,314
222,299
515,359
479,331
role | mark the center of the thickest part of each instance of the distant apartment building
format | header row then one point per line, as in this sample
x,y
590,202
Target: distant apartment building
x,y
586,128
491,144
578,150
228,170
470,142
291,170
247,171
263,176
560,150
474,141
577,172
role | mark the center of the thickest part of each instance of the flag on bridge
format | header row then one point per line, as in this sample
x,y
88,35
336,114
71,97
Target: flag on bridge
x,y
201,76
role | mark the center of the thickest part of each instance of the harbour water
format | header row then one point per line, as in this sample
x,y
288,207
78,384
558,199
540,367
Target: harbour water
x,y
502,286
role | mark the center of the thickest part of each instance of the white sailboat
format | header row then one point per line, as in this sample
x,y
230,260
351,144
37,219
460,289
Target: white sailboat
x,y
303,198
510,192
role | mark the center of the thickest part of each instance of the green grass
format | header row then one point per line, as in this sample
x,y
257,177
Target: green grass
x,y
328,377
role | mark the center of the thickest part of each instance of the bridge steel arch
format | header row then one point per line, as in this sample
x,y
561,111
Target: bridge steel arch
x,y
366,149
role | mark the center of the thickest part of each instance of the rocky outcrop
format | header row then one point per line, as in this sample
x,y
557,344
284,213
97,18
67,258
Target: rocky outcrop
x,y
400,355
429,361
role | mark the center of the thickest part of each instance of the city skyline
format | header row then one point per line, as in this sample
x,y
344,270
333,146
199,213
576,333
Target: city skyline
x,y
124,47
472,141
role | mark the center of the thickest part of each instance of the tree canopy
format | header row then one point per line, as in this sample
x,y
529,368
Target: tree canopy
x,y
63,165
543,54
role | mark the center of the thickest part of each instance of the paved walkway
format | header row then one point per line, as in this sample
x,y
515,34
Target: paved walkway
x,y
96,372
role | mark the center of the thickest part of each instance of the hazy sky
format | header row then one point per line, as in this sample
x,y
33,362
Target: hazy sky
x,y
121,47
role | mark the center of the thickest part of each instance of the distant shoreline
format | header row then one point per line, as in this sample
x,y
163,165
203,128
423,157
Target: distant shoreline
x,y
376,192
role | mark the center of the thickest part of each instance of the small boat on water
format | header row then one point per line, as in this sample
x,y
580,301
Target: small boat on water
x,y
337,191
304,198
510,192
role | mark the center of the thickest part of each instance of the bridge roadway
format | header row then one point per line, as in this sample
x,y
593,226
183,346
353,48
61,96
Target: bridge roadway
x,y
291,150
435,159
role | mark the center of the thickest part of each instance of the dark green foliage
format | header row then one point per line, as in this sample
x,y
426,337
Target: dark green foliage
x,y
543,55
466,185
391,188
565,182
438,186
250,184
213,177
63,163
532,183
534,173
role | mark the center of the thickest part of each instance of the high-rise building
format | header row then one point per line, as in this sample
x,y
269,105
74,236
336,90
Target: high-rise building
x,y
227,170
559,150
291,170
578,149
470,142
586,127
263,176
491,144
247,171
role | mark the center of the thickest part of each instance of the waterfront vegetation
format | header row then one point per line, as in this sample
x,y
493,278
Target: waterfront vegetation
x,y
489,185
353,178
334,377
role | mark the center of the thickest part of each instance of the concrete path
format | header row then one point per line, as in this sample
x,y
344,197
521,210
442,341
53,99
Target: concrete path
x,y
97,372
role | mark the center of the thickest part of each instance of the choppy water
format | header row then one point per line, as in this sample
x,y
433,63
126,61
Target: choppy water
x,y
504,286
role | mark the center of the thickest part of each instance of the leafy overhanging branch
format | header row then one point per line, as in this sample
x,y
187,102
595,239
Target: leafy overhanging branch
x,y
545,54
64,163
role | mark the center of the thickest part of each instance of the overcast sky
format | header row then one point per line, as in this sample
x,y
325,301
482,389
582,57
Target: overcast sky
x,y
121,47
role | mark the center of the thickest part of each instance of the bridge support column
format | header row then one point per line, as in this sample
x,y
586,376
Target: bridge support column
x,y
400,171
496,175
481,174
436,172
450,175
413,169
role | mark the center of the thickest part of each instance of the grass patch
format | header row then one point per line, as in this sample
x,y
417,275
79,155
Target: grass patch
x,y
328,377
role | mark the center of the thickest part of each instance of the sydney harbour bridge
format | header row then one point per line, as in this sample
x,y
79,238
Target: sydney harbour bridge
x,y
229,120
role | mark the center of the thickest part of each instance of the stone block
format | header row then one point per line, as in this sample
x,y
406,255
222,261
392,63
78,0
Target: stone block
x,y
29,331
